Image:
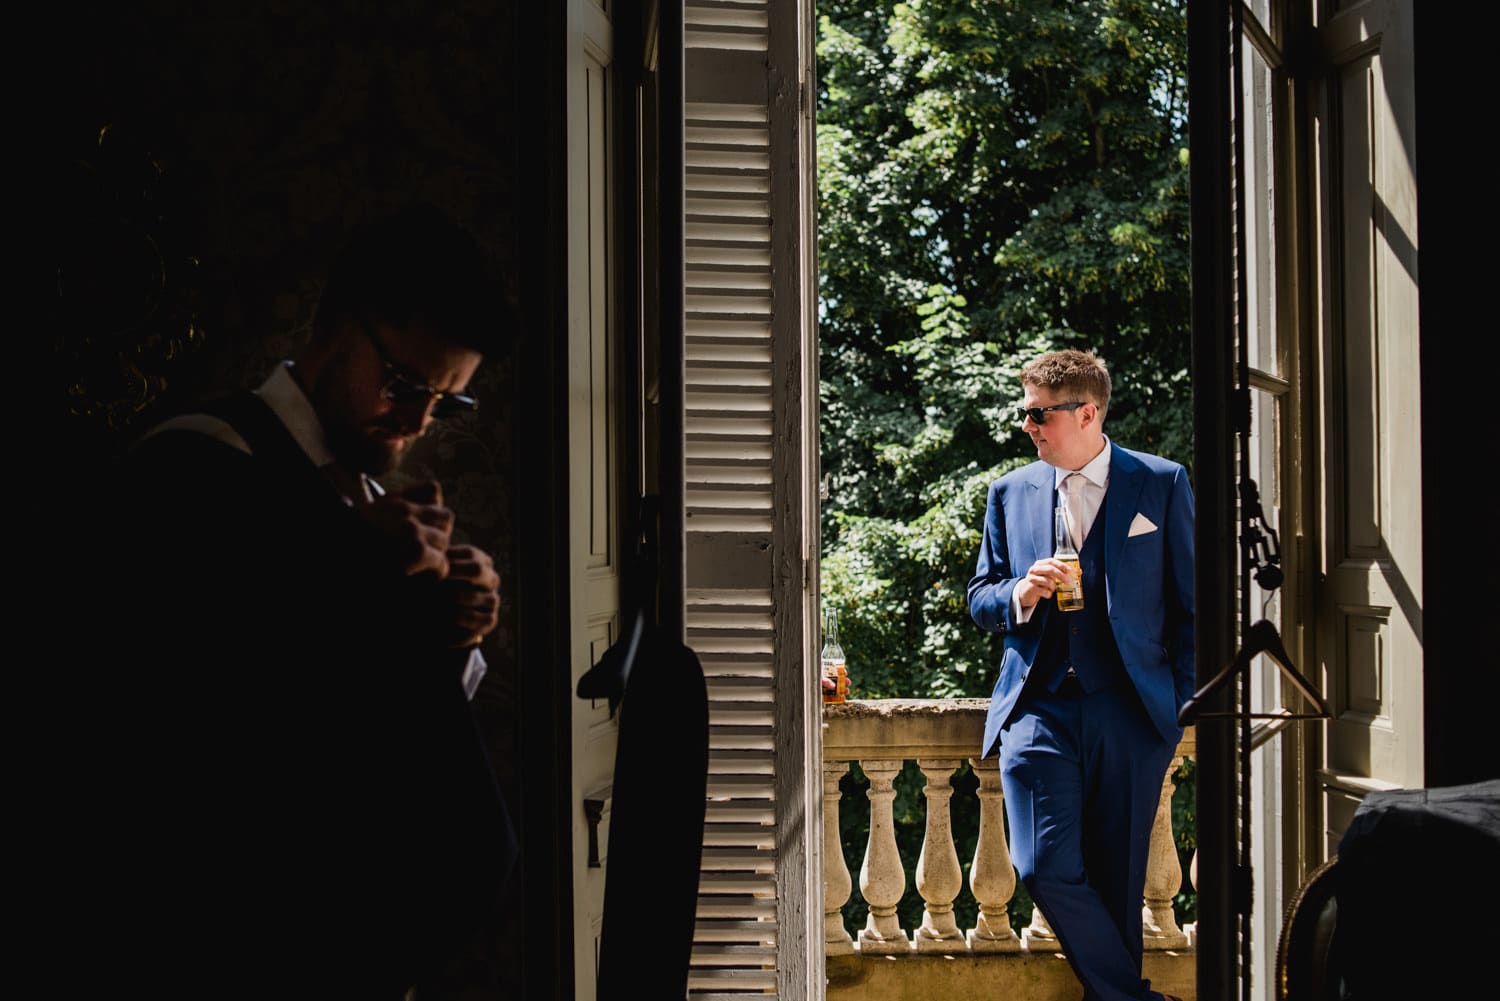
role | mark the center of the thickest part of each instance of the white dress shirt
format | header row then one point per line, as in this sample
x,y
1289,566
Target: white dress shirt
x,y
1095,474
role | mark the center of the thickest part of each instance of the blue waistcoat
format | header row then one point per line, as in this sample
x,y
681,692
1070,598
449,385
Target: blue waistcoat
x,y
1083,639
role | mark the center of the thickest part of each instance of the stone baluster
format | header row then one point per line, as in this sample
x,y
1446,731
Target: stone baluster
x,y
837,885
882,880
1163,875
992,878
1191,928
1038,935
939,877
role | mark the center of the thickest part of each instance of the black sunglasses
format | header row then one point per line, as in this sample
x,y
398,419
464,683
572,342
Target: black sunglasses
x,y
407,392
1039,414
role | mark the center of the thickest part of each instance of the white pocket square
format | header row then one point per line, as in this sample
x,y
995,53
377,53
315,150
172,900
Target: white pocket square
x,y
1140,526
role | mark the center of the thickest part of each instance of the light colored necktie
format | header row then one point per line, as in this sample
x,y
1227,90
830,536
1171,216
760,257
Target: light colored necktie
x,y
1074,483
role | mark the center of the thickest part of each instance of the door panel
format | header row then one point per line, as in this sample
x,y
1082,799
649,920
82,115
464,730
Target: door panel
x,y
594,380
1369,602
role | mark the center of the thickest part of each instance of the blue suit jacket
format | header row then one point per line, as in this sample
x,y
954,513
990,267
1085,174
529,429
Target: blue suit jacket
x,y
1148,580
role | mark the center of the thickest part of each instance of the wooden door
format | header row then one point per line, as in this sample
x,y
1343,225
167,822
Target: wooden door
x,y
1369,595
595,483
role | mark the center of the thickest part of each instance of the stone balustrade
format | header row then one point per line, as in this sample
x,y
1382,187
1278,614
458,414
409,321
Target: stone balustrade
x,y
940,735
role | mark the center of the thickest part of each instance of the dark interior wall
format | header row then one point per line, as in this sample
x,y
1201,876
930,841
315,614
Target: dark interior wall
x,y
542,598
181,252
1456,227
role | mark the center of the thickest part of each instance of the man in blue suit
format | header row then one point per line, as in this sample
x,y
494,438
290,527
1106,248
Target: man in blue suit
x,y
1084,714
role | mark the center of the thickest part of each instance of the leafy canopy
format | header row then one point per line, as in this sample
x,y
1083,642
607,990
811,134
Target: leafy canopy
x,y
996,179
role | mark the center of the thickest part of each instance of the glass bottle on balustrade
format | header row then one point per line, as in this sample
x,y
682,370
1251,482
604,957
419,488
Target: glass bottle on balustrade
x,y
833,659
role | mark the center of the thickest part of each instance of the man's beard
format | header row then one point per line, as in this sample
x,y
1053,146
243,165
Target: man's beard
x,y
356,451
353,445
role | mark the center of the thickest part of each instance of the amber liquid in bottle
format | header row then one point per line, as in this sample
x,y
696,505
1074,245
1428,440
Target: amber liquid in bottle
x,y
833,659
1069,599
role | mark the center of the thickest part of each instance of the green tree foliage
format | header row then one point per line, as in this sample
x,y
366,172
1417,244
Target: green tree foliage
x,y
996,178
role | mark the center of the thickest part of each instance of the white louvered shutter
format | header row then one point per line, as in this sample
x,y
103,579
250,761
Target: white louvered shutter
x,y
750,422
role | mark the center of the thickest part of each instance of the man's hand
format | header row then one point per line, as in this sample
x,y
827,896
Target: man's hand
x,y
419,530
416,526
1042,581
472,589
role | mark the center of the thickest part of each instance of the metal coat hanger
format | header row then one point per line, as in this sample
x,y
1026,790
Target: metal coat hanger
x,y
1261,637
1263,561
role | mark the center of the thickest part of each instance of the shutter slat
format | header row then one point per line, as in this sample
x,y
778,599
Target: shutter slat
x,y
725,930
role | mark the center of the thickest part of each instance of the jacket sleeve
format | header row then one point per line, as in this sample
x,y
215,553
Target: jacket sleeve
x,y
993,581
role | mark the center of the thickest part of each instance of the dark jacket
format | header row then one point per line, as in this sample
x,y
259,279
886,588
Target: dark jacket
x,y
285,791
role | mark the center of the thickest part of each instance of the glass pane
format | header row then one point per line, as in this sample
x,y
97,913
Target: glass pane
x,y
1263,539
1265,680
1260,263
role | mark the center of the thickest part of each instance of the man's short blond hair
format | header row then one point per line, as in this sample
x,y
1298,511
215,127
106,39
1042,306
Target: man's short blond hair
x,y
1070,375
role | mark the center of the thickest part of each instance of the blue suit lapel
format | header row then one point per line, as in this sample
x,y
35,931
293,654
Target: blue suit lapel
x,y
1040,502
1126,478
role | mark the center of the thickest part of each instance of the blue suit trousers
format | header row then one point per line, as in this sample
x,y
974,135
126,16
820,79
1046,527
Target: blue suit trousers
x,y
1082,775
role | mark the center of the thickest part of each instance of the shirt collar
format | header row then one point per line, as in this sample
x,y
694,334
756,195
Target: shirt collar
x,y
291,405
